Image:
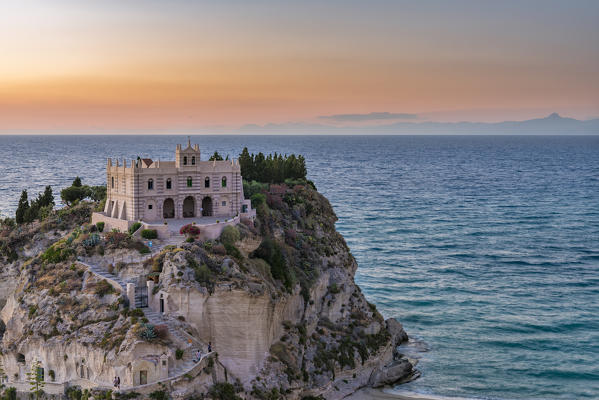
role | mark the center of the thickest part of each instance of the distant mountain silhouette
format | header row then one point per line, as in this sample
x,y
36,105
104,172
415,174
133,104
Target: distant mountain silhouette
x,y
553,124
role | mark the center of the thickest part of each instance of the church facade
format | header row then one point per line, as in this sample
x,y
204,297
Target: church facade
x,y
153,190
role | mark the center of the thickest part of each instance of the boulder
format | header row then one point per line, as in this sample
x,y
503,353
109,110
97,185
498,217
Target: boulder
x,y
396,330
391,373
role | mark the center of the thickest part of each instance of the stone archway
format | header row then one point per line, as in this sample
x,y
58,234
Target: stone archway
x,y
207,207
168,208
189,207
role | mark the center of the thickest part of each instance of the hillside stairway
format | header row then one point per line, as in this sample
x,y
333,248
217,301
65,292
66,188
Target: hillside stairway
x,y
184,365
105,274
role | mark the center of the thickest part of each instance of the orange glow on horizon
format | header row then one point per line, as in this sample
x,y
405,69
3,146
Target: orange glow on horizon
x,y
107,66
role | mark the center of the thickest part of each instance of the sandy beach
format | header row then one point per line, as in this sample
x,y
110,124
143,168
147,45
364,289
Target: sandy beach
x,y
386,394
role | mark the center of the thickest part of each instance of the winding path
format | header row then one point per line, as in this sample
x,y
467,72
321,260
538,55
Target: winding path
x,y
183,366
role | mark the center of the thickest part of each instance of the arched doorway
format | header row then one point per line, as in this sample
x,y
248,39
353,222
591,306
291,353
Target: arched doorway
x,y
168,209
207,207
189,207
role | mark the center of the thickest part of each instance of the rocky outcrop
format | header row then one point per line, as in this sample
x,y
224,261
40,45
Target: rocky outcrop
x,y
316,336
278,303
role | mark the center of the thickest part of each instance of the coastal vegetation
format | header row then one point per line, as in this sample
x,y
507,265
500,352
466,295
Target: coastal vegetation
x,y
274,168
37,209
77,192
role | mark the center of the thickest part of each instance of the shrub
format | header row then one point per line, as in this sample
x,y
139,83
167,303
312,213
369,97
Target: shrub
x,y
190,230
161,331
219,249
202,273
117,239
233,251
159,395
92,240
10,393
149,234
229,235
103,288
179,354
56,253
223,391
271,252
257,199
144,250
333,288
147,332
136,312
133,228
100,226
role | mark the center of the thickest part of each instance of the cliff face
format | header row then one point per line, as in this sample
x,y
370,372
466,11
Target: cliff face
x,y
280,304
276,298
57,312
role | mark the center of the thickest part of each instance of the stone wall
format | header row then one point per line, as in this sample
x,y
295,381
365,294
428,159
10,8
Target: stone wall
x,y
111,223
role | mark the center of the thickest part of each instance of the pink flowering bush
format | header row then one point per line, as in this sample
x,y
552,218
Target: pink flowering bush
x,y
190,230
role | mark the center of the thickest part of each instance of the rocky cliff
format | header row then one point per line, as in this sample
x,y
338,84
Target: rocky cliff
x,y
275,297
279,303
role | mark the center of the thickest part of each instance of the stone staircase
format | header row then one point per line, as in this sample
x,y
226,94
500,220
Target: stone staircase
x,y
186,363
105,274
155,318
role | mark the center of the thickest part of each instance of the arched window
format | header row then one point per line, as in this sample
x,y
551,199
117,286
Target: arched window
x,y
193,160
150,184
112,182
223,181
207,182
189,181
169,183
185,160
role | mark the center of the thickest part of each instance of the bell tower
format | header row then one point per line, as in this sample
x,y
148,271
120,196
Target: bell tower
x,y
188,157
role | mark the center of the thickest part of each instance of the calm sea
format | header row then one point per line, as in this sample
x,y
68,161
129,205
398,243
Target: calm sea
x,y
485,247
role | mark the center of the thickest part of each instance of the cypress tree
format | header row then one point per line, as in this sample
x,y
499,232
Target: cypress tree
x,y
22,208
47,198
246,164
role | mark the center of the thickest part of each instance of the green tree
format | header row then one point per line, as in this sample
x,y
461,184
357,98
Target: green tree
x,y
273,168
257,199
47,198
97,193
73,193
216,157
32,213
246,163
76,182
22,208
35,378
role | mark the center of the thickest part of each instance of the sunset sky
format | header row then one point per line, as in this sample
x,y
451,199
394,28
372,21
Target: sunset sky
x,y
101,66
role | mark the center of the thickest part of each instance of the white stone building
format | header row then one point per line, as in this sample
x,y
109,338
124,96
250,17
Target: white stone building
x,y
154,191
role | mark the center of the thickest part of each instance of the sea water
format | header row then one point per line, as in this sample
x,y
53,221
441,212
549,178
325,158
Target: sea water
x,y
486,248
